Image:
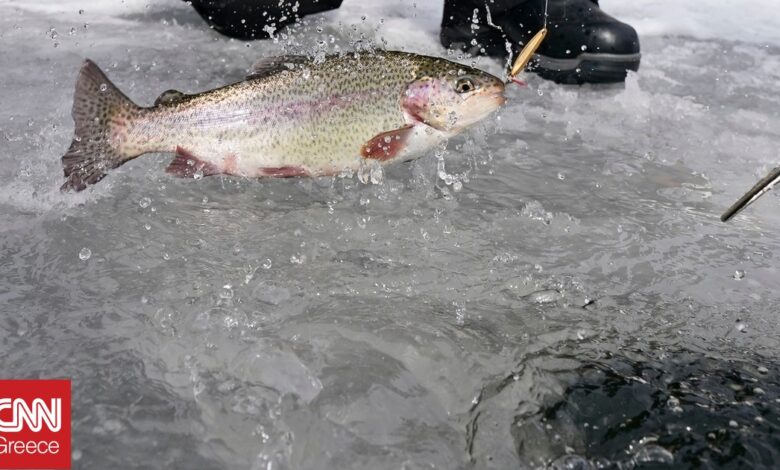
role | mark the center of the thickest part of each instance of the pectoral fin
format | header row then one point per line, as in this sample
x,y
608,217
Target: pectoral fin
x,y
387,145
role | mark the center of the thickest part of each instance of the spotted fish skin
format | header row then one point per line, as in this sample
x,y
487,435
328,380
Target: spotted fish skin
x,y
292,117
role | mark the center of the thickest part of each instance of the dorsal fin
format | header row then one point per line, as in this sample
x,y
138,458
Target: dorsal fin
x,y
271,65
169,96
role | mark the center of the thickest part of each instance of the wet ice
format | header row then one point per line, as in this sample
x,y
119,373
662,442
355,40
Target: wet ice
x,y
445,315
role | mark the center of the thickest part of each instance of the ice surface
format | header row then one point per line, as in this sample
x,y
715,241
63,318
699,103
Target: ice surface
x,y
564,295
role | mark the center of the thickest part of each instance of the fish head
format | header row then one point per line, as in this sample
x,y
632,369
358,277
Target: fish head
x,y
453,97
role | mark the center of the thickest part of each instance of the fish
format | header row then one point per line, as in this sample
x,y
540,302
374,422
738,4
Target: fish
x,y
292,116
763,186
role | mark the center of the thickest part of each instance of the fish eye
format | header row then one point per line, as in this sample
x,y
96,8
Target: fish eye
x,y
465,85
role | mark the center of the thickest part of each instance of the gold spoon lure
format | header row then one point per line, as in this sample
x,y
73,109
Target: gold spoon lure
x,y
528,52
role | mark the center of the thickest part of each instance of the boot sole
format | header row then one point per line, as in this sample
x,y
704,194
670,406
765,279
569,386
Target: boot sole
x,y
586,68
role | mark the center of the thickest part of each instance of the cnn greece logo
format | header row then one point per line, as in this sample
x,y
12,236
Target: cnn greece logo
x,y
35,417
35,424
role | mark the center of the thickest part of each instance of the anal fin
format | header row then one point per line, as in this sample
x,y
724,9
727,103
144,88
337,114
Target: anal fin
x,y
187,165
387,145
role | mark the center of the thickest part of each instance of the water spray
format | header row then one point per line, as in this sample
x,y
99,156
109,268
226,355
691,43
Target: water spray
x,y
529,50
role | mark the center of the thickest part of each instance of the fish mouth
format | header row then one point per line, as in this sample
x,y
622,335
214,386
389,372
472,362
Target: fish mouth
x,y
498,97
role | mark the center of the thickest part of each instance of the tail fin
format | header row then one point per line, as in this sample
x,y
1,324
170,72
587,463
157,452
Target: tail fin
x,y
98,109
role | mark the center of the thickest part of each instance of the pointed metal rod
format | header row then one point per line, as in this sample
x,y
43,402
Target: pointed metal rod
x,y
760,188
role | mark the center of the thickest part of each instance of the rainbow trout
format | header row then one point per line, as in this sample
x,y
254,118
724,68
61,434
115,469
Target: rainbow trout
x,y
291,117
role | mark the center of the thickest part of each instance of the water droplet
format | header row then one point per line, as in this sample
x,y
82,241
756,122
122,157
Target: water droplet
x,y
584,47
364,172
571,461
653,453
733,424
267,264
674,404
377,174
561,176
544,296
103,87
460,313
227,292
84,254
81,12
144,202
741,327
739,274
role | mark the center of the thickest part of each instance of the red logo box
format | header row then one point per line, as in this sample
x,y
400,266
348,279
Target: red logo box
x,y
34,424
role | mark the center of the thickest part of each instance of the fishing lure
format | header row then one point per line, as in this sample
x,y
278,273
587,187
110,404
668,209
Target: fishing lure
x,y
529,50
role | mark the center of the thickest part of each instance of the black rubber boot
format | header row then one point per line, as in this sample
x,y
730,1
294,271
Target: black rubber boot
x,y
257,19
583,44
